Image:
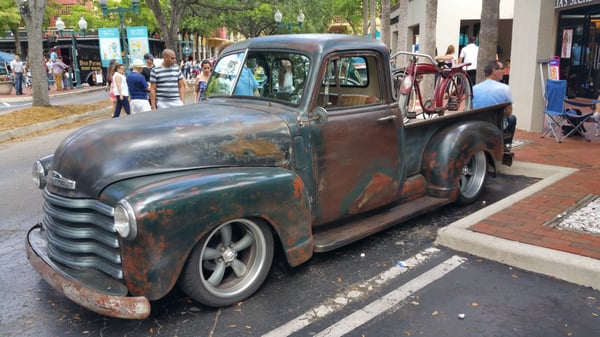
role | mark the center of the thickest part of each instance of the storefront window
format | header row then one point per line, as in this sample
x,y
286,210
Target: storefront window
x,y
579,48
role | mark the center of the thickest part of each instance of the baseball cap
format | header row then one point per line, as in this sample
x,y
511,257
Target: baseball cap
x,y
148,56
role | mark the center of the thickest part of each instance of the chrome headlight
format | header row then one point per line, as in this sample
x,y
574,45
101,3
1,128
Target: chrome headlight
x,y
38,174
124,220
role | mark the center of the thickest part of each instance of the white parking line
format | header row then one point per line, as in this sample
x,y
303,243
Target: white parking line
x,y
391,300
358,291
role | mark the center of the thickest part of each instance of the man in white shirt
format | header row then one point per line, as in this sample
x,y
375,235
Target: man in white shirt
x,y
17,68
469,55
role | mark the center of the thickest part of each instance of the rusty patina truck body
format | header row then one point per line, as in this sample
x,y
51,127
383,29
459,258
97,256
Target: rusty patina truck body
x,y
298,142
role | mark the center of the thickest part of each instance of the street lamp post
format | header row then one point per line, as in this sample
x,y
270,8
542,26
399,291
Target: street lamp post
x,y
278,17
186,50
121,10
82,27
60,26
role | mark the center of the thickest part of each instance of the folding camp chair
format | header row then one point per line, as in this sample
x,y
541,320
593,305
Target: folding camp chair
x,y
556,115
594,113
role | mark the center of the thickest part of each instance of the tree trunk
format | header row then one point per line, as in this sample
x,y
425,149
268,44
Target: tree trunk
x,y
32,12
488,35
385,22
402,43
365,8
373,16
169,24
427,41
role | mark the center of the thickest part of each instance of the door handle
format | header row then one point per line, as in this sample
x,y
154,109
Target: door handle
x,y
387,118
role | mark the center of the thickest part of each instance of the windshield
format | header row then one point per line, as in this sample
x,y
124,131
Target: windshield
x,y
270,75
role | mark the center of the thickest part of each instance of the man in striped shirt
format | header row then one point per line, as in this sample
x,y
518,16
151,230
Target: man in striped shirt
x,y
167,84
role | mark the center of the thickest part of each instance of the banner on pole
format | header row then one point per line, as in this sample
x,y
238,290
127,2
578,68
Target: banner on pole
x,y
110,46
138,42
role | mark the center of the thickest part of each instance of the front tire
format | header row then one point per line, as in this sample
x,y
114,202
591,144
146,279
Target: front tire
x,y
229,264
472,178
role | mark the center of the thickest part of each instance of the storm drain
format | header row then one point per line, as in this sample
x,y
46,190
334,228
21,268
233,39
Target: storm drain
x,y
583,217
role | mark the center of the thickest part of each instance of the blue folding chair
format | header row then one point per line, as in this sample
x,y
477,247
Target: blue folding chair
x,y
558,116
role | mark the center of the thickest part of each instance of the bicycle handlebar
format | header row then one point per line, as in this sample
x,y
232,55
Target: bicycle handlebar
x,y
415,55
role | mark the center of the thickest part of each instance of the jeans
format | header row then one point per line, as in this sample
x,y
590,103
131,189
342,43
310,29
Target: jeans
x,y
19,83
509,129
121,103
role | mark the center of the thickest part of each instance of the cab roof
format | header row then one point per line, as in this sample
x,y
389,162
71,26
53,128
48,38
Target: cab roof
x,y
313,44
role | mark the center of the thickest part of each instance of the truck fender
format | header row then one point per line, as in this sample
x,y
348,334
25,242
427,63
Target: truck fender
x,y
174,212
450,148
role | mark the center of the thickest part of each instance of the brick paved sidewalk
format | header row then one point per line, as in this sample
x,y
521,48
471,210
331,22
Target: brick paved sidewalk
x,y
524,221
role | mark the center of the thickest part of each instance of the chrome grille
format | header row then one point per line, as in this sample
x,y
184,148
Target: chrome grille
x,y
81,235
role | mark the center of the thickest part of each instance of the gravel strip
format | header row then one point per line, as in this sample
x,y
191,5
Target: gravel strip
x,y
584,219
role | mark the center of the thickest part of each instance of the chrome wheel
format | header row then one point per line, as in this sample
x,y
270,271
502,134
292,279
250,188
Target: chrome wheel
x,y
230,263
472,178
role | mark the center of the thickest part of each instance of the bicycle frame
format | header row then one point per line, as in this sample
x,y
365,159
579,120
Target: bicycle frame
x,y
452,86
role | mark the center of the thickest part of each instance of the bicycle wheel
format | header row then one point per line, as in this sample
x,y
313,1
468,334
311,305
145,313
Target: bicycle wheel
x,y
458,93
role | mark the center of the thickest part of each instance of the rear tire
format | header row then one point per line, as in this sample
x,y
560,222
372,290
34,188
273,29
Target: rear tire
x,y
472,178
229,264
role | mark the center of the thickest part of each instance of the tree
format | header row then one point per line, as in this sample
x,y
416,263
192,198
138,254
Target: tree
x,y
427,38
373,18
385,22
402,25
488,35
10,18
32,12
365,18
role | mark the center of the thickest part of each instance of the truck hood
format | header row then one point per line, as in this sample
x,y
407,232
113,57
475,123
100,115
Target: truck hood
x,y
193,136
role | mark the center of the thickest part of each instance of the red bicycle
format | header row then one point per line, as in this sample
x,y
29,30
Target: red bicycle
x,y
427,88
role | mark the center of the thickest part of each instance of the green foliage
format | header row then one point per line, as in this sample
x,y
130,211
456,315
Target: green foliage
x,y
9,16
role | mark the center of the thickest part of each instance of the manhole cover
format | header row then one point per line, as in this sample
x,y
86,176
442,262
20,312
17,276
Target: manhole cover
x,y
584,216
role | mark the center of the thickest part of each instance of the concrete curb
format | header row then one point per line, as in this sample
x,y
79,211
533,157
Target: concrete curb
x,y
18,132
565,266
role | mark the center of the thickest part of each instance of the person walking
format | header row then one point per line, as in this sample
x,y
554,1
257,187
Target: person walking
x,y
167,84
17,68
121,91
138,88
448,58
491,92
469,55
57,69
201,80
149,59
110,72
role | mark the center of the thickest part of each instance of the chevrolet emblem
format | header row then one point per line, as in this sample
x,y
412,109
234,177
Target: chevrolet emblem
x,y
56,179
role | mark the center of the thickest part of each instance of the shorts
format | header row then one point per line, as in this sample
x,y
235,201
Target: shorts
x,y
168,104
139,105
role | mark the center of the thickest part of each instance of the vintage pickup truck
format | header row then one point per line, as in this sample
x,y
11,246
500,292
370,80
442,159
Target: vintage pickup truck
x,y
298,143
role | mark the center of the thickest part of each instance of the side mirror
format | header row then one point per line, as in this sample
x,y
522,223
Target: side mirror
x,y
319,115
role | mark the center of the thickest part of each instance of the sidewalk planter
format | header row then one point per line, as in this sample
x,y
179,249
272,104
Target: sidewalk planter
x,y
5,87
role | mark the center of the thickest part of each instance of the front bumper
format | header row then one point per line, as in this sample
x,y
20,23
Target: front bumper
x,y
91,289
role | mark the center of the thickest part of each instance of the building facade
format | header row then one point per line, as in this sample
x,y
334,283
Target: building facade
x,y
530,33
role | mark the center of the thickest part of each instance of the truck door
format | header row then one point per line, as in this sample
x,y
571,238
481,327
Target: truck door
x,y
357,151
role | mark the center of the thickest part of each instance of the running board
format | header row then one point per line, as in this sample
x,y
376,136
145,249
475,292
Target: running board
x,y
336,236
